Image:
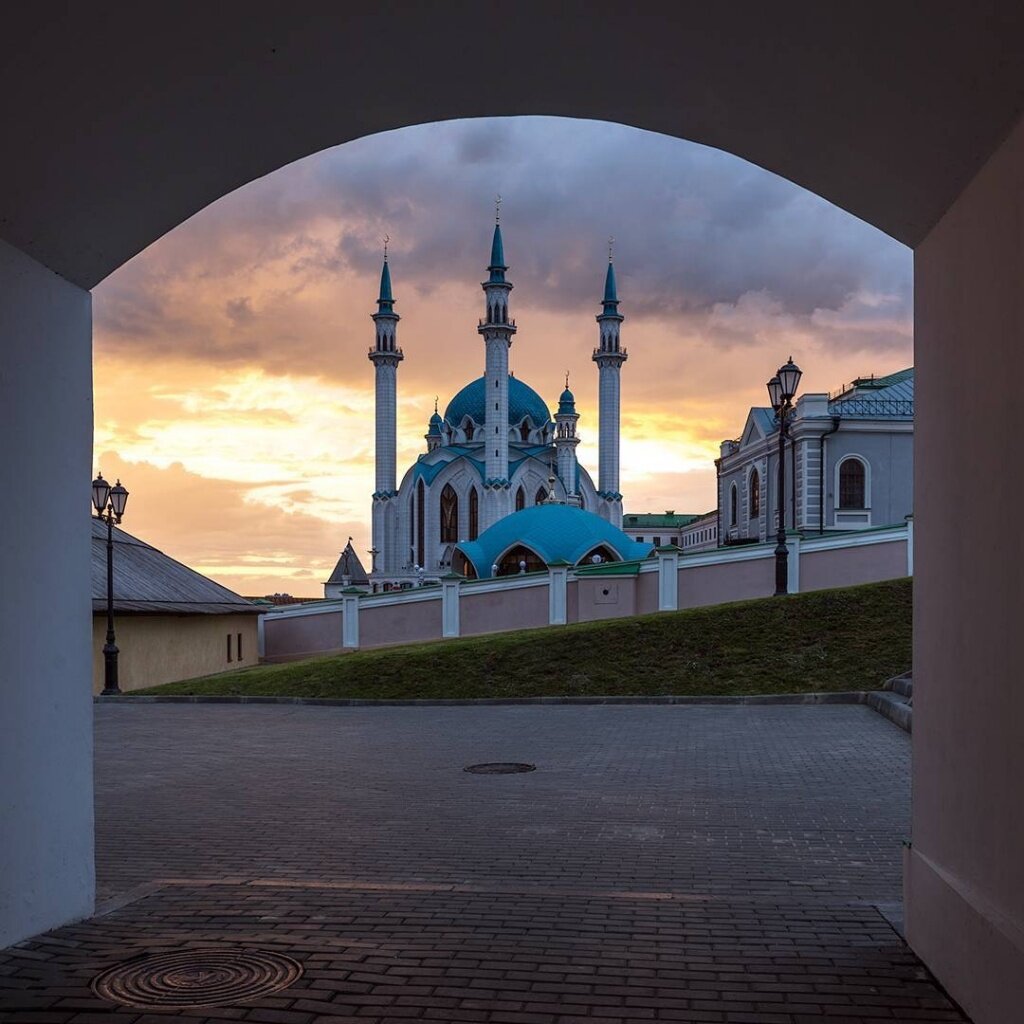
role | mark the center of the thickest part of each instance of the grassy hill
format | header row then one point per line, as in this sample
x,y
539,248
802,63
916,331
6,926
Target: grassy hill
x,y
849,639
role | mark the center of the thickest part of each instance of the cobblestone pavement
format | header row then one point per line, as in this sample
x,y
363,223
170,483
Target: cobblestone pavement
x,y
703,864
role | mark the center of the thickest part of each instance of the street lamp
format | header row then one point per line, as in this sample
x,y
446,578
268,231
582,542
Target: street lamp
x,y
781,391
109,503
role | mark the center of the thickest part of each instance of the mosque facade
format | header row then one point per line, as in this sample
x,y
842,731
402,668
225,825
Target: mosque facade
x,y
494,452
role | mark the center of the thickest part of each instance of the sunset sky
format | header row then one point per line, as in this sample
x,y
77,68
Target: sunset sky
x,y
234,397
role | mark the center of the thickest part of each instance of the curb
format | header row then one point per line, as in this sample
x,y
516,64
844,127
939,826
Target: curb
x,y
842,697
892,706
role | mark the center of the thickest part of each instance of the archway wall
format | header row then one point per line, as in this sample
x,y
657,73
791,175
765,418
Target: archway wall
x,y
120,130
964,878
46,816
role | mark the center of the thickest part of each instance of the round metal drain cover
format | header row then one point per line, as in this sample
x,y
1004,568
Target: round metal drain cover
x,y
196,978
500,768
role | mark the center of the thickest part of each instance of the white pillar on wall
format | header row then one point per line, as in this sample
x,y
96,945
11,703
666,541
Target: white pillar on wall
x,y
46,799
910,545
793,563
350,618
668,578
558,588
450,587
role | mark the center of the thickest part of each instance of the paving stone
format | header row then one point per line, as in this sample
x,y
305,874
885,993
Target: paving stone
x,y
716,865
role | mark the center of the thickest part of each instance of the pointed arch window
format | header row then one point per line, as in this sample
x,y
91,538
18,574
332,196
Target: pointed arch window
x,y
420,535
733,505
852,480
474,514
524,430
520,500
449,515
755,495
542,496
469,430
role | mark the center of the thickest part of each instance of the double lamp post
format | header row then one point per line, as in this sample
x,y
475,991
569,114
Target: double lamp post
x,y
782,390
109,503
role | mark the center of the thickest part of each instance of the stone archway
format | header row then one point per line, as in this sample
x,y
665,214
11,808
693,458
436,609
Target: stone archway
x,y
907,117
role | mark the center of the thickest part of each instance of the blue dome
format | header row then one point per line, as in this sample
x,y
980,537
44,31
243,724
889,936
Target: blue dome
x,y
522,401
567,402
555,533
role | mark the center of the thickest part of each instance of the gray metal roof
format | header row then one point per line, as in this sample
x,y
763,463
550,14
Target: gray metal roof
x,y
147,580
889,397
349,567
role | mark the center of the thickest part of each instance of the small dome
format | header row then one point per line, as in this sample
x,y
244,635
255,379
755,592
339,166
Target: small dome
x,y
522,401
566,402
555,533
435,425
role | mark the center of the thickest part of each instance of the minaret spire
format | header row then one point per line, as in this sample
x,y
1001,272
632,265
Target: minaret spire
x,y
609,356
385,356
497,330
566,442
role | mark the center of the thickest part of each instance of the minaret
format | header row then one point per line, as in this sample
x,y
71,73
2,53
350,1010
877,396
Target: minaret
x,y
566,440
385,356
496,329
433,436
609,356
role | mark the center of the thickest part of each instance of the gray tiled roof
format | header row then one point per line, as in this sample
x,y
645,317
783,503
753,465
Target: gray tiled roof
x,y
349,566
147,580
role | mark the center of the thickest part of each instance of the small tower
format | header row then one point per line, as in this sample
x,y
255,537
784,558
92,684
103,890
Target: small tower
x,y
497,330
609,356
566,442
433,435
385,356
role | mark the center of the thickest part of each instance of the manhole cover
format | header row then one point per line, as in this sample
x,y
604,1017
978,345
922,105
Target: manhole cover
x,y
195,978
500,768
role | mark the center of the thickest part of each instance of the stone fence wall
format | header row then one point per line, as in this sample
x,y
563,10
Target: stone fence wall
x,y
668,581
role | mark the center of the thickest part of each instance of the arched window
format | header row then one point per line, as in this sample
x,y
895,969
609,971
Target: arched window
x,y
474,514
733,505
542,496
520,500
852,489
421,547
469,430
449,515
524,430
513,560
755,495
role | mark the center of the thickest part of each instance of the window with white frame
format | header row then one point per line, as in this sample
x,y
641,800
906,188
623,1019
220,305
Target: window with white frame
x,y
852,483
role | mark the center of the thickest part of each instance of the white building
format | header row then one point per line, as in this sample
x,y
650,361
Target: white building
x,y
849,463
496,450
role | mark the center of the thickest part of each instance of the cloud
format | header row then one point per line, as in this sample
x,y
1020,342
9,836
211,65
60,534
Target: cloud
x,y
230,356
215,527
298,252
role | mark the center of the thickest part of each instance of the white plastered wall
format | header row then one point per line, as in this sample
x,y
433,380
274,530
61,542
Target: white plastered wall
x,y
46,791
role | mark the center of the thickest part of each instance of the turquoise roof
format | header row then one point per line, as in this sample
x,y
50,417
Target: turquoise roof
x,y
611,296
434,430
386,300
556,533
566,402
522,401
497,267
428,465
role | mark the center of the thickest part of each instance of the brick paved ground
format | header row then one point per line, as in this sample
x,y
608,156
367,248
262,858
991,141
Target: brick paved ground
x,y
714,864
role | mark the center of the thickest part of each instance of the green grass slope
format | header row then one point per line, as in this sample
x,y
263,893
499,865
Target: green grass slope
x,y
849,639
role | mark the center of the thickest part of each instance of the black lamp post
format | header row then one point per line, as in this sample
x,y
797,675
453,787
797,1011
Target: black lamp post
x,y
109,503
782,390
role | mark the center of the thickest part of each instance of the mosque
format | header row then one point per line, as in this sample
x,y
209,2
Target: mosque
x,y
499,489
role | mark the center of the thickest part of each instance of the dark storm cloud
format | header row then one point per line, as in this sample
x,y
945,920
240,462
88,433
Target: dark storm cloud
x,y
696,232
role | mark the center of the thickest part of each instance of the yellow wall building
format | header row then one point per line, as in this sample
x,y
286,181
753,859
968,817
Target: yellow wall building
x,y
170,621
